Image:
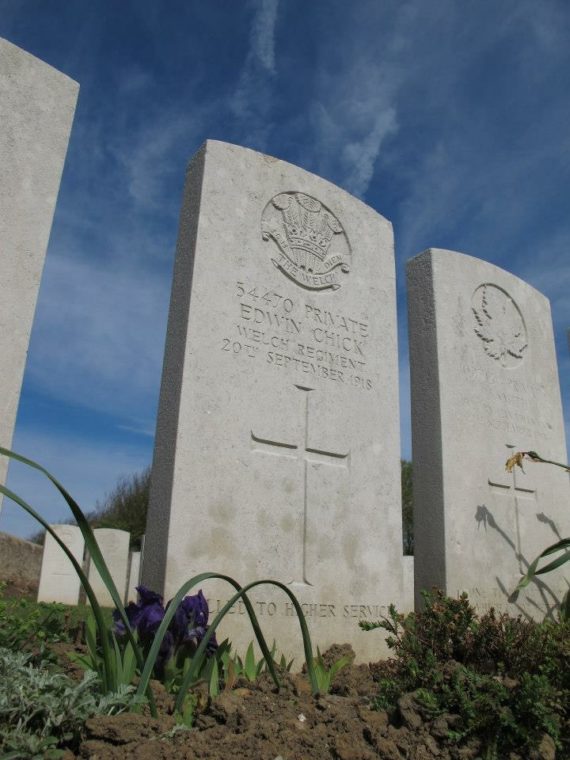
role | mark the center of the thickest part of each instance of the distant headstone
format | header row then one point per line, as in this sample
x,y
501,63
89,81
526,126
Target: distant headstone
x,y
37,104
114,546
277,450
484,385
134,573
59,581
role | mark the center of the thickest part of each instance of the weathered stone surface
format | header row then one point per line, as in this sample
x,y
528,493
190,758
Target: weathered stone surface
x,y
59,581
114,546
484,385
37,104
277,447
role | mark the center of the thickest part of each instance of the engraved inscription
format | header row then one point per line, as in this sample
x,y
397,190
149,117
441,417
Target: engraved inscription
x,y
309,609
307,456
508,404
311,246
297,336
499,325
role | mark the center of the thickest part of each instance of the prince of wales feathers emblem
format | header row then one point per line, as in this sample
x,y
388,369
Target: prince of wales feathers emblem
x,y
313,246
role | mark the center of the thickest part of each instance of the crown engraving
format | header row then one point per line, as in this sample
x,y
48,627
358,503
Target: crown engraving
x,y
313,246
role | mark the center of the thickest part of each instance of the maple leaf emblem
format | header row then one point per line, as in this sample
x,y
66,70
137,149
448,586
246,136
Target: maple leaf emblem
x,y
499,325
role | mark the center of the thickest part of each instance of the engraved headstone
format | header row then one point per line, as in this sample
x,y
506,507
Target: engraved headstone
x,y
59,581
484,385
277,447
114,546
37,104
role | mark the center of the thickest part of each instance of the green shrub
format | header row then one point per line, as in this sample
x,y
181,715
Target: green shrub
x,y
507,678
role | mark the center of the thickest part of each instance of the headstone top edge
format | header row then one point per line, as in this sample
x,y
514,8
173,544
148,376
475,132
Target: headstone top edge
x,y
112,530
64,525
441,255
38,63
212,146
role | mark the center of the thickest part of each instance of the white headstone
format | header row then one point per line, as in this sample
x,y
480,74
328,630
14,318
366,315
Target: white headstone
x,y
277,450
484,385
37,104
114,546
59,581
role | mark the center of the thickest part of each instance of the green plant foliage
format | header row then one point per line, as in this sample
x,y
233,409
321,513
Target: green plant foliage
x,y
508,679
108,674
41,709
389,691
125,508
123,656
232,666
192,675
324,675
113,662
24,623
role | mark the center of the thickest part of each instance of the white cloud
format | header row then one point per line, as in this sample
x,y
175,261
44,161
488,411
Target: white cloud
x,y
263,33
360,157
252,101
354,107
99,334
349,135
151,156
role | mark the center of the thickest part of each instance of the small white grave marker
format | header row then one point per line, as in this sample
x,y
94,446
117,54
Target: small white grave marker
x,y
59,581
114,546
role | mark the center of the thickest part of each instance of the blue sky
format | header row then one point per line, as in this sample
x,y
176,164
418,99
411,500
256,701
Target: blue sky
x,y
449,118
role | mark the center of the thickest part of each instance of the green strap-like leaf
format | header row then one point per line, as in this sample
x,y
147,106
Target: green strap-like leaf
x,y
97,558
532,568
554,564
250,669
242,594
170,612
78,569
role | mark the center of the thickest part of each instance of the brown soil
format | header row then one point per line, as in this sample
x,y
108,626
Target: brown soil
x,y
255,721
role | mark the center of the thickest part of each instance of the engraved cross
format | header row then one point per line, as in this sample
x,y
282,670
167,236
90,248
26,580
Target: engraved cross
x,y
308,456
510,486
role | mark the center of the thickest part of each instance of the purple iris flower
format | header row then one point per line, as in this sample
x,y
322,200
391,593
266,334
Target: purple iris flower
x,y
144,617
190,623
133,613
186,630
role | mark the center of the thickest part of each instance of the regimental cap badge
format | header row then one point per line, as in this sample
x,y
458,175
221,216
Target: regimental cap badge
x,y
313,249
